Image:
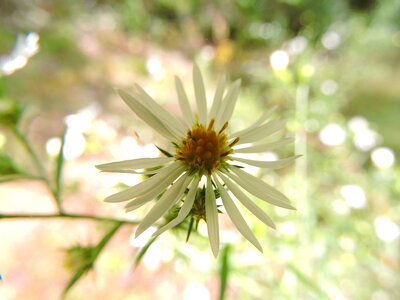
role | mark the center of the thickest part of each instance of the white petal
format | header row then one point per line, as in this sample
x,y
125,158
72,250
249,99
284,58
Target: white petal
x,y
185,209
133,206
216,105
261,132
256,124
264,147
259,188
139,171
200,94
160,112
152,193
275,164
250,205
235,216
168,175
184,103
228,105
212,218
134,164
146,115
164,203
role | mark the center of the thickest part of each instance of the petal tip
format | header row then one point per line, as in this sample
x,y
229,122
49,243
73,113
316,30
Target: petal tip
x,y
100,167
138,232
215,252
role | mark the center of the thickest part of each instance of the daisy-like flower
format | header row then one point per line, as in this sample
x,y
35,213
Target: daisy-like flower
x,y
204,148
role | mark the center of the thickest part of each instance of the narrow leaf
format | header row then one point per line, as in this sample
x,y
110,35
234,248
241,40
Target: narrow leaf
x,y
59,168
96,252
143,251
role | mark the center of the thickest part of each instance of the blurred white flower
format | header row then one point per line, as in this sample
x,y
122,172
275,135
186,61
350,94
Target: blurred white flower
x,y
155,68
366,140
383,157
279,60
386,229
196,291
332,135
358,124
297,45
25,47
329,87
53,146
331,40
354,195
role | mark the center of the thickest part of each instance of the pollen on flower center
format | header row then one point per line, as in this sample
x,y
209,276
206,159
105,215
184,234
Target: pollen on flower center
x,y
205,150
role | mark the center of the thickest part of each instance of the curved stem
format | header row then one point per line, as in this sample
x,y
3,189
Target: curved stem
x,y
38,164
21,137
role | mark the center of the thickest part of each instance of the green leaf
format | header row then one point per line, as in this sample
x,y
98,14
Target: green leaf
x,y
190,229
224,270
83,258
10,112
165,152
59,168
143,251
13,177
79,273
7,166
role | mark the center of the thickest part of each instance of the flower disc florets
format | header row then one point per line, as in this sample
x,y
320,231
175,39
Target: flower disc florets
x,y
204,150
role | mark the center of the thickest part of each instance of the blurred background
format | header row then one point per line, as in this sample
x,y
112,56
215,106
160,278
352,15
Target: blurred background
x,y
331,67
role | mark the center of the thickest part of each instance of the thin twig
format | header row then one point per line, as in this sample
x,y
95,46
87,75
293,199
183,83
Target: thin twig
x,y
39,166
67,216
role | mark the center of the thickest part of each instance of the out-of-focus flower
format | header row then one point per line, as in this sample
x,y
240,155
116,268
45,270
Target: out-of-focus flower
x,y
332,135
26,46
354,195
331,40
383,157
279,60
386,229
204,149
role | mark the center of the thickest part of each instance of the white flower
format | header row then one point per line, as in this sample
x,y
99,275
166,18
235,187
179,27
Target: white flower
x,y
203,147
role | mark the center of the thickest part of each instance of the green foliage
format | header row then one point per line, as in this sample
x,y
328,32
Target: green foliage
x,y
142,252
10,112
7,166
58,171
81,259
224,269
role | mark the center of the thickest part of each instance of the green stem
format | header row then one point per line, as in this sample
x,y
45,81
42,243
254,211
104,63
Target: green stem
x,y
21,137
66,216
224,270
106,239
89,265
38,164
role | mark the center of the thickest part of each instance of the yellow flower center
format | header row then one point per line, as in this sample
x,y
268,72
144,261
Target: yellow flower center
x,y
205,150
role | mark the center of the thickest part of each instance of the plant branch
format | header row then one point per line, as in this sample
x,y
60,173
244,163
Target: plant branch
x,y
66,216
20,136
38,164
